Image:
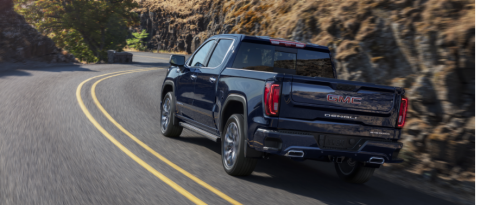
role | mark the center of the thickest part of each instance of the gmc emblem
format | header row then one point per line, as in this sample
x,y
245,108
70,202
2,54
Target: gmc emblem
x,y
347,99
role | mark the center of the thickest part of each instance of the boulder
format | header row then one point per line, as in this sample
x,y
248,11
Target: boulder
x,y
122,57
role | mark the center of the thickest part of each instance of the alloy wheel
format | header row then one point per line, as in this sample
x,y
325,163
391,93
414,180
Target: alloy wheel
x,y
165,114
231,145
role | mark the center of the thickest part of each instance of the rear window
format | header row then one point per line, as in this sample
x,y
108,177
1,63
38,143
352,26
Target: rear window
x,y
270,58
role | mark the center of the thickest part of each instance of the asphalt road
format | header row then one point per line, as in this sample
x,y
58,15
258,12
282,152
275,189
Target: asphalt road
x,y
52,153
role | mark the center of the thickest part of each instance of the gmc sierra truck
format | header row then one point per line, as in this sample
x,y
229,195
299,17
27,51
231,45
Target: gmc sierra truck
x,y
259,96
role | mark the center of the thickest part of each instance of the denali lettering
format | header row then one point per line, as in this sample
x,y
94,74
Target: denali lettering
x,y
346,99
379,133
341,116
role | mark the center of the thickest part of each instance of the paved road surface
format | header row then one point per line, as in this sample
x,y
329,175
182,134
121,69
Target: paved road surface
x,y
51,153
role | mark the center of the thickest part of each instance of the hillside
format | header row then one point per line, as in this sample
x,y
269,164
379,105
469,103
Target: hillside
x,y
425,46
20,42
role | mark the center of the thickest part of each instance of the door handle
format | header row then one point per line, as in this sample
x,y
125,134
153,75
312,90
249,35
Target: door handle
x,y
212,79
193,77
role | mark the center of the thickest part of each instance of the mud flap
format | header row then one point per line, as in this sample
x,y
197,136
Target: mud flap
x,y
250,152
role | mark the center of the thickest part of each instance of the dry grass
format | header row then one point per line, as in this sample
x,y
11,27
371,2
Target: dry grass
x,y
130,49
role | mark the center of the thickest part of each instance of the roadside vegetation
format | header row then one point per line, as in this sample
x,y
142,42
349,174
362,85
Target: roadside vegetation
x,y
87,29
136,42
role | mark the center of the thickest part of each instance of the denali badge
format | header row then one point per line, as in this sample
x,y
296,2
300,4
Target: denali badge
x,y
341,116
380,133
347,99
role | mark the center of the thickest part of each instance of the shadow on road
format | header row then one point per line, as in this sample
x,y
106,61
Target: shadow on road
x,y
21,69
16,69
318,180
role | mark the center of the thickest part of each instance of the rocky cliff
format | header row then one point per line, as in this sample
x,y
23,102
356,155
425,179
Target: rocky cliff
x,y
19,41
425,46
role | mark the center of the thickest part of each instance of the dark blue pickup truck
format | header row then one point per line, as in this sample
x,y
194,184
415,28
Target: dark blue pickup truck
x,y
260,96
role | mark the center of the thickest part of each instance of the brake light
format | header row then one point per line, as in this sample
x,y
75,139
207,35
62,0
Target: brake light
x,y
402,115
272,98
287,43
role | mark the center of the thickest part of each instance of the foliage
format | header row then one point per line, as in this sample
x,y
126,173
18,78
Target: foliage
x,y
136,41
86,28
28,9
72,41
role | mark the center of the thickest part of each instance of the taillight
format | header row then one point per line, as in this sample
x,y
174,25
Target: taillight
x,y
272,98
402,115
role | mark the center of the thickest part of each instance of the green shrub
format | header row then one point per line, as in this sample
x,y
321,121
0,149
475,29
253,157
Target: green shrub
x,y
136,42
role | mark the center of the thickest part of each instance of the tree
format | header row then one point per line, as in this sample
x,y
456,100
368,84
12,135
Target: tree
x,y
76,25
136,41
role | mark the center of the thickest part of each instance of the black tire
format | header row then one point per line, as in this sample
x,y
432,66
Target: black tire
x,y
169,130
353,172
239,165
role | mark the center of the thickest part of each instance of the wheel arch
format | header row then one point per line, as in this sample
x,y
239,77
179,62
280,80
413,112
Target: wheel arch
x,y
232,106
168,86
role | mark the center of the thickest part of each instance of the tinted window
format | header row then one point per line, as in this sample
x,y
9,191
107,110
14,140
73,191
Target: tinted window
x,y
314,64
254,57
261,57
285,60
201,55
219,52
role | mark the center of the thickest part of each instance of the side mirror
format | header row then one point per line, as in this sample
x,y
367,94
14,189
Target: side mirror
x,y
177,60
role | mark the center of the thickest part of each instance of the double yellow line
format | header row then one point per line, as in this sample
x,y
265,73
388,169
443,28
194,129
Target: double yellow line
x,y
162,177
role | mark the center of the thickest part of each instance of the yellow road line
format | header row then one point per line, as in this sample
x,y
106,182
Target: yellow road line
x,y
120,127
128,152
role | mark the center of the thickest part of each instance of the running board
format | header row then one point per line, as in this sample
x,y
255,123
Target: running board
x,y
200,131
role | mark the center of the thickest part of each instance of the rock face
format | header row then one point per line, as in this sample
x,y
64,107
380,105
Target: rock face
x,y
19,41
425,46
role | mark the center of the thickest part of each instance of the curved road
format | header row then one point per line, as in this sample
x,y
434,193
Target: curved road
x,y
53,152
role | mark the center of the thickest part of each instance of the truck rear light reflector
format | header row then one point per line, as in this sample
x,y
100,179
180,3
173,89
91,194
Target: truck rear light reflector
x,y
287,43
402,115
272,98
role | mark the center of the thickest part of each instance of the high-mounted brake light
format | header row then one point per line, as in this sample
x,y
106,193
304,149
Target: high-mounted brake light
x,y
402,114
272,98
287,43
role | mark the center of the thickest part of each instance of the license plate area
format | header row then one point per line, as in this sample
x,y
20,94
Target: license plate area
x,y
340,142
337,142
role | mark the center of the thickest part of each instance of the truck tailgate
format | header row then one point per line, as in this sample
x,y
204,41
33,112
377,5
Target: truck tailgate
x,y
312,98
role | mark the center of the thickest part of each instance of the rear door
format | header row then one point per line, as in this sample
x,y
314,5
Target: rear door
x,y
205,86
187,79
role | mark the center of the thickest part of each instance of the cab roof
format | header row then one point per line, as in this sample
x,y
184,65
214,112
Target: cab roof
x,y
267,40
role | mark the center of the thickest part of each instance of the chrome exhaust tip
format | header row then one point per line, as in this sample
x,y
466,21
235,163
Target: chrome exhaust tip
x,y
376,160
294,153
